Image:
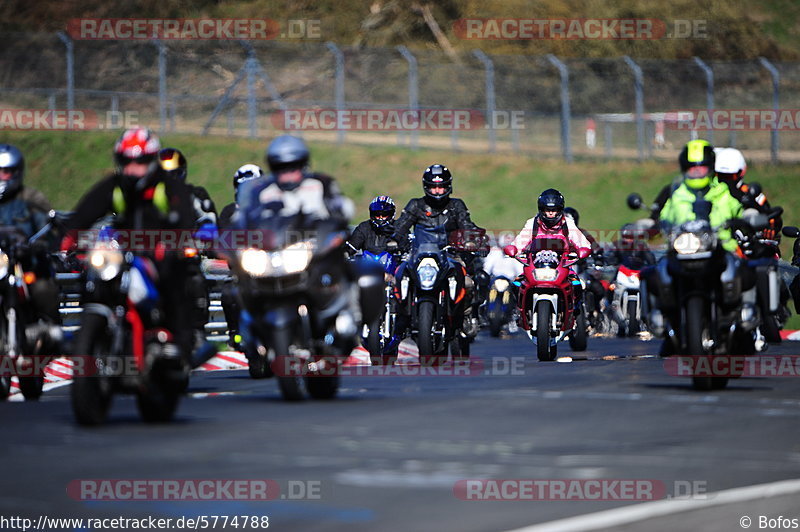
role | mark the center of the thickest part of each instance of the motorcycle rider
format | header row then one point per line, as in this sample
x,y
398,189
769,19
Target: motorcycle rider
x,y
376,234
173,163
142,198
27,209
632,251
230,294
730,167
438,208
292,189
550,222
697,162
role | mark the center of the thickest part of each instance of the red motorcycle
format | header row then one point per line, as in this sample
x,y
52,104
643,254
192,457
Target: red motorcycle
x,y
548,300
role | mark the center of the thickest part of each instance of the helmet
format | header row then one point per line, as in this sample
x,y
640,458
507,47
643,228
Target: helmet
x,y
730,164
381,211
11,159
572,212
246,173
137,145
551,200
697,163
173,163
437,175
287,153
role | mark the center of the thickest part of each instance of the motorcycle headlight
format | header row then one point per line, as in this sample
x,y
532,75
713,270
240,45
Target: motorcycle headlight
x,y
294,258
500,284
544,274
427,272
106,262
690,243
3,265
254,261
260,263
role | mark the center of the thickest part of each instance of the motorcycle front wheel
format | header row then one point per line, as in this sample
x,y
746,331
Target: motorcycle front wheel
x,y
91,393
543,349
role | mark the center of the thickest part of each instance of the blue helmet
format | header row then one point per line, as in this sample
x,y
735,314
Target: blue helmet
x,y
381,211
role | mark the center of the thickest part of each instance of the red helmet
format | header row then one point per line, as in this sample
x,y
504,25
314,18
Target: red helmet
x,y
137,145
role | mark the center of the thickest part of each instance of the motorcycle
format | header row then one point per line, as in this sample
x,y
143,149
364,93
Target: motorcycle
x,y
27,340
122,346
547,302
627,284
299,318
699,287
500,304
380,337
432,294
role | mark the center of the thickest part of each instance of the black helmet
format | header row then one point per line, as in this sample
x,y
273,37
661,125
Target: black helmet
x,y
172,163
381,211
437,175
11,159
551,200
572,212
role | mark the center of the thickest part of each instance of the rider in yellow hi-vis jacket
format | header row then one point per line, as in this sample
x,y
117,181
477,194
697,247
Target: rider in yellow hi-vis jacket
x,y
700,183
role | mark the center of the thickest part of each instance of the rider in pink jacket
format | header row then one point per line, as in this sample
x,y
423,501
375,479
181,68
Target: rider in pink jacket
x,y
551,223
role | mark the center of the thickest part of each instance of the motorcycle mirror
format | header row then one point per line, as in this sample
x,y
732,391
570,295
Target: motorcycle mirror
x,y
791,231
635,201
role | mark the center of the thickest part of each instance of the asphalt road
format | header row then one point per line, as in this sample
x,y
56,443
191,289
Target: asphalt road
x,y
390,452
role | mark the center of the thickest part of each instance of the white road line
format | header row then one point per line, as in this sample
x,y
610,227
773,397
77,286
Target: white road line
x,y
648,510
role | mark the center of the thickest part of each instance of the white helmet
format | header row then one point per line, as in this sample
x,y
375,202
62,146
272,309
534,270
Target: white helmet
x,y
730,161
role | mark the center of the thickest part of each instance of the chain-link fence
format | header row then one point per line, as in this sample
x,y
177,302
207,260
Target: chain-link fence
x,y
615,107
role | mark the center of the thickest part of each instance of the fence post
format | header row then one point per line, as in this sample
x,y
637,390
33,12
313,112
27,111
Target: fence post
x,y
70,53
638,85
413,89
490,105
776,79
251,68
563,71
162,85
709,92
338,89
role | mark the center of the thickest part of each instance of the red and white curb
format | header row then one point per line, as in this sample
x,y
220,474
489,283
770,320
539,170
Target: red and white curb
x,y
59,372
791,335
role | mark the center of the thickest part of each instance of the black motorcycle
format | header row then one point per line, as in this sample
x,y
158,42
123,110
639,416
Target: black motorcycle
x,y
699,288
122,346
28,340
433,296
299,319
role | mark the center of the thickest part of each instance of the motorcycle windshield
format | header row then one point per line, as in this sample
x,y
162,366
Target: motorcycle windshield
x,y
277,232
429,239
546,252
